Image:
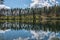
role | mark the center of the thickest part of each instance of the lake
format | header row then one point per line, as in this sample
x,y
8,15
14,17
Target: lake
x,y
30,31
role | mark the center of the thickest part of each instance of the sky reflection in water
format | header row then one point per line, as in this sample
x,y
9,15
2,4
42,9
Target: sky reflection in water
x,y
28,35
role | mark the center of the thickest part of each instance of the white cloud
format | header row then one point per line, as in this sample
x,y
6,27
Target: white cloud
x,y
53,35
3,31
22,38
42,3
4,6
43,34
39,34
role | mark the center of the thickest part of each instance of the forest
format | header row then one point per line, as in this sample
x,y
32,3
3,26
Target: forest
x,y
31,14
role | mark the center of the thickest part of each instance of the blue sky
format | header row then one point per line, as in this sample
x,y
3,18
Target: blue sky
x,y
18,3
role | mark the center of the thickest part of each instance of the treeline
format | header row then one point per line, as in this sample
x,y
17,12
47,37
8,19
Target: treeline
x,y
44,11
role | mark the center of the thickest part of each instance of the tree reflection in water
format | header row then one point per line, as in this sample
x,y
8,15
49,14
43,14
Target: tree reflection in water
x,y
29,31
31,26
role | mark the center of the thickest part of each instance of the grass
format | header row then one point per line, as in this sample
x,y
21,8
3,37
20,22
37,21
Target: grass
x,y
28,18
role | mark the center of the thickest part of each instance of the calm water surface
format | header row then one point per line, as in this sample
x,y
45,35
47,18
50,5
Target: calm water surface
x,y
29,31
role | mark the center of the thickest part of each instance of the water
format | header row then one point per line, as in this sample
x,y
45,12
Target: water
x,y
29,31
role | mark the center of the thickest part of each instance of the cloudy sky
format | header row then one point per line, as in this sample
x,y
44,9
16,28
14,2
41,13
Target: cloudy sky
x,y
30,3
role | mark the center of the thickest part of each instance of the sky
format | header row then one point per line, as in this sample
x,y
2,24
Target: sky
x,y
28,3
17,3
